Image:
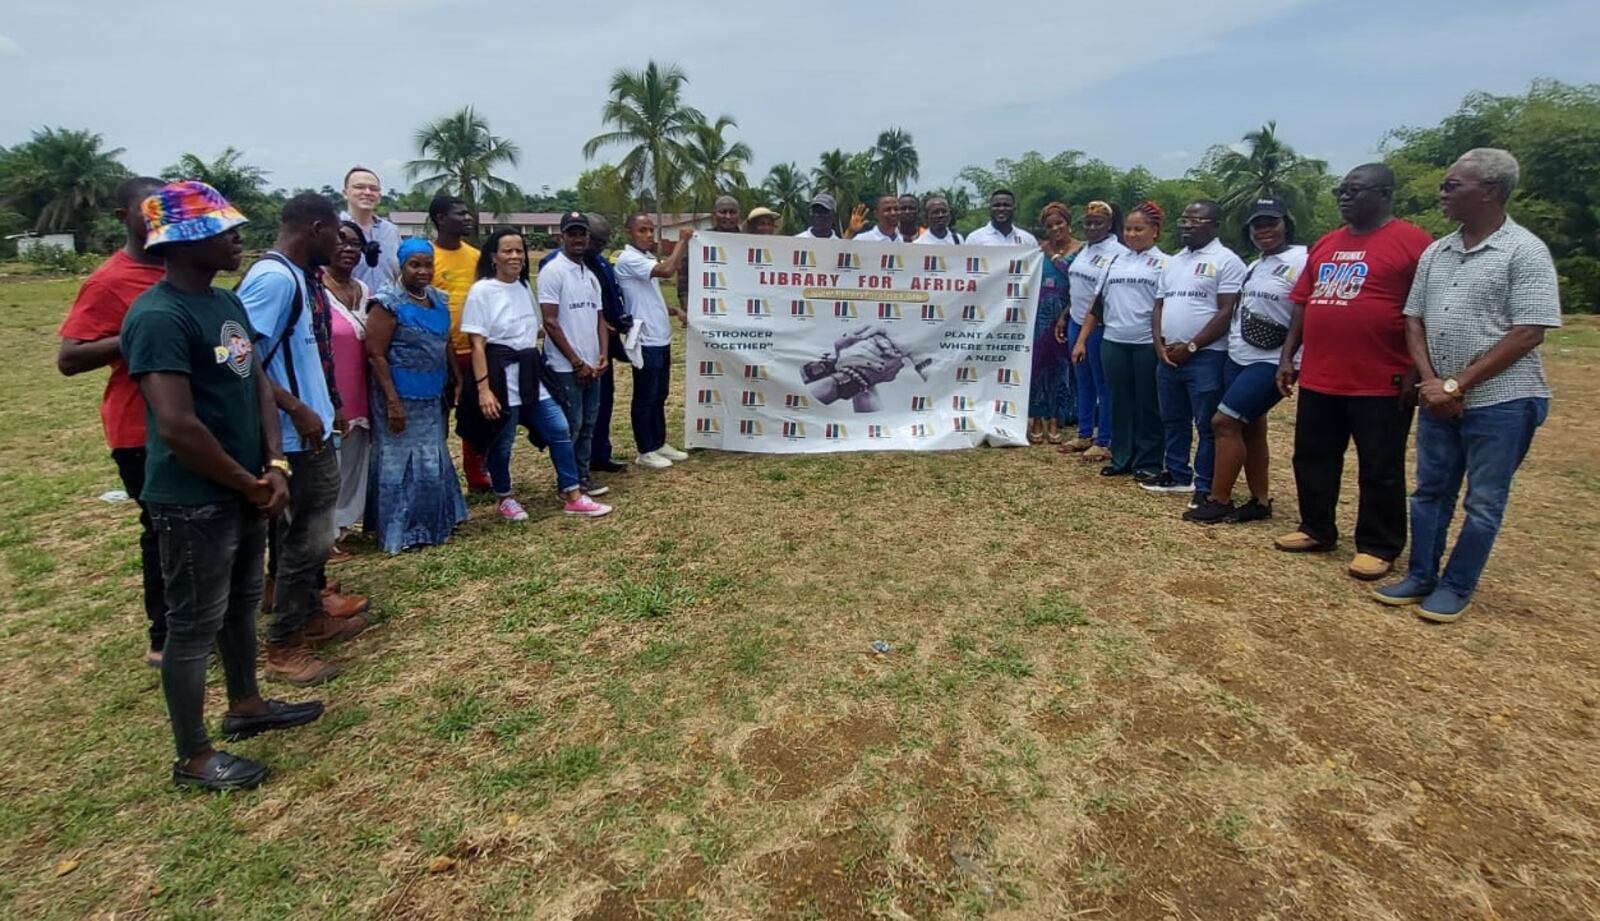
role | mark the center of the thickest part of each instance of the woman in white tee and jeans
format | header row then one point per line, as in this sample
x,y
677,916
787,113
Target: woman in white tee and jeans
x,y
502,323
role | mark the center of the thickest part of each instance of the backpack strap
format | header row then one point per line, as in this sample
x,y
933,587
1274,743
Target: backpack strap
x,y
295,309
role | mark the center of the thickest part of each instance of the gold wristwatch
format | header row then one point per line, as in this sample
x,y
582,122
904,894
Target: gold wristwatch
x,y
280,463
1452,387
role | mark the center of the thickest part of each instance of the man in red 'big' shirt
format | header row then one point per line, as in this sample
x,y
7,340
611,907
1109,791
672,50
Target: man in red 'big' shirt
x,y
1356,377
90,339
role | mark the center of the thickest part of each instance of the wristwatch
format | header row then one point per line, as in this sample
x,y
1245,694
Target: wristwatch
x,y
1192,347
1452,386
280,463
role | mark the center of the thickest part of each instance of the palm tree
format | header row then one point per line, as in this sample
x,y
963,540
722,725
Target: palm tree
x,y
895,159
239,182
837,175
1267,167
646,110
786,187
711,164
62,178
459,154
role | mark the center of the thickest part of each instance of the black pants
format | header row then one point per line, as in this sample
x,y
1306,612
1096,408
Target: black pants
x,y
130,466
650,386
211,557
600,447
302,538
1323,428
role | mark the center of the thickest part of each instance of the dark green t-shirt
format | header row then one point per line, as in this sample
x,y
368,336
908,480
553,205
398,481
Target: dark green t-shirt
x,y
206,337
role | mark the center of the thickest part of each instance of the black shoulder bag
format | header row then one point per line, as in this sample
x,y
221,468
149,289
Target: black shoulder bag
x,y
1257,330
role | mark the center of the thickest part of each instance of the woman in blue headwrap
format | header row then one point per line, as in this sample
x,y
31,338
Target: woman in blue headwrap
x,y
413,496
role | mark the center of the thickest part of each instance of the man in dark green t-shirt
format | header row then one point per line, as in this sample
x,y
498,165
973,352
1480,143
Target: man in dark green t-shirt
x,y
214,474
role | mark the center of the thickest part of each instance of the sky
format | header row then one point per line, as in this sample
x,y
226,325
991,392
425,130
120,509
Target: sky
x,y
308,88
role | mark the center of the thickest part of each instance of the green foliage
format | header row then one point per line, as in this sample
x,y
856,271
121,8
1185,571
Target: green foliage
x,y
604,190
648,116
787,193
57,260
58,180
895,159
712,164
1266,167
459,154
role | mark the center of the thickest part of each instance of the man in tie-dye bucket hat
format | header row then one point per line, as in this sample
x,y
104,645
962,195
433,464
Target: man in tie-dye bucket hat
x,y
214,474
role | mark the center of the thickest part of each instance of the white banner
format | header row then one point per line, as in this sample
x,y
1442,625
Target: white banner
x,y
798,345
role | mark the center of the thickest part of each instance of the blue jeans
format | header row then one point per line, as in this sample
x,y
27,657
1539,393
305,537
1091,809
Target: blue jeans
x,y
1189,396
1486,445
650,386
550,422
1094,397
583,407
211,571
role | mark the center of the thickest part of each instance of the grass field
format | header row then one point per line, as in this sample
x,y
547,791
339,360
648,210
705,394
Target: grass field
x,y
1091,709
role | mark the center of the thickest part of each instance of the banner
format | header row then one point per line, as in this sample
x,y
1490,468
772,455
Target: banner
x,y
798,345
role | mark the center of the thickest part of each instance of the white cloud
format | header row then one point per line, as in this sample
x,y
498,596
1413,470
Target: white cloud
x,y
7,46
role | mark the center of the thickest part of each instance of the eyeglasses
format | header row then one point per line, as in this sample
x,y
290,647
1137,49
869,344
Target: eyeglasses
x,y
1195,221
347,243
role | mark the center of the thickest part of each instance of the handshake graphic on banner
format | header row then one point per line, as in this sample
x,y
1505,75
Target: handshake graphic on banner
x,y
861,360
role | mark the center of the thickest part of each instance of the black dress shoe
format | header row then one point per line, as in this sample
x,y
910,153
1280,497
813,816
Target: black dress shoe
x,y
279,715
222,772
1113,470
607,466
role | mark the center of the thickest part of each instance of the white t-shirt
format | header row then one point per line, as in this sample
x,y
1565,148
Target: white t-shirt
x,y
1266,293
504,314
987,235
1190,286
874,235
811,236
1130,292
642,294
1088,271
576,293
926,238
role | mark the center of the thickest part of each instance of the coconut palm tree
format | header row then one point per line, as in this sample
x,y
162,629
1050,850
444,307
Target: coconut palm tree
x,y
648,115
836,174
239,182
458,153
786,189
711,164
895,159
60,178
1266,167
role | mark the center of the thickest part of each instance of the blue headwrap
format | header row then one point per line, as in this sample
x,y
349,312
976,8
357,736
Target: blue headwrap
x,y
411,247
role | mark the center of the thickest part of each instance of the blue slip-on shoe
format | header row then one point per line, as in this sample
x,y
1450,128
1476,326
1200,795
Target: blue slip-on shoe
x,y
1409,590
1443,606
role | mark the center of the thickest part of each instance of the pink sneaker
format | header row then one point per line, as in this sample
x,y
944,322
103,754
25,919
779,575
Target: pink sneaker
x,y
512,510
586,507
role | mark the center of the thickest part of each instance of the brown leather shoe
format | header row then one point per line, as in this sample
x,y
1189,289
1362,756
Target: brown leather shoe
x,y
337,605
295,663
321,629
1367,567
1300,542
332,585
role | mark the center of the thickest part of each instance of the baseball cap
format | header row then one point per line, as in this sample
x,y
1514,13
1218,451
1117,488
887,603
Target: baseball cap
x,y
187,210
574,219
824,200
1267,206
761,212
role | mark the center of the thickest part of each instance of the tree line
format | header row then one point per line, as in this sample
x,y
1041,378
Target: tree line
x,y
671,156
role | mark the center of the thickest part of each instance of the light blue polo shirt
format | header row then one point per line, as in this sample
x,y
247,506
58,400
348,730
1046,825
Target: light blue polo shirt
x,y
268,293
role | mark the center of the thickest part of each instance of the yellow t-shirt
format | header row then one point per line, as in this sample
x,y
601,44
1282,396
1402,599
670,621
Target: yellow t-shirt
x,y
454,271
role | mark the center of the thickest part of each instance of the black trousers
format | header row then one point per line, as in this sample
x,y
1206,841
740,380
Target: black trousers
x,y
130,467
1323,429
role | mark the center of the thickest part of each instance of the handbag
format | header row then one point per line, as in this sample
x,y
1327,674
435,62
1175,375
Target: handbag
x,y
1256,330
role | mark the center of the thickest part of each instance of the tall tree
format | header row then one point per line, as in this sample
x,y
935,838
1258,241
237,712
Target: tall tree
x,y
647,114
59,179
786,188
838,174
458,153
895,159
712,164
239,182
1266,167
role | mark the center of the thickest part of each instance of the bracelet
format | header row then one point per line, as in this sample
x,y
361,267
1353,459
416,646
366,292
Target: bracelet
x,y
481,379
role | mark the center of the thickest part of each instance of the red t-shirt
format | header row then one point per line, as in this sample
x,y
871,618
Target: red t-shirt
x,y
1354,287
97,313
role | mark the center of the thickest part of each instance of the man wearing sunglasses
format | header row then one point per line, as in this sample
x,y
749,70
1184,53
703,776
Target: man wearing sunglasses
x,y
1357,381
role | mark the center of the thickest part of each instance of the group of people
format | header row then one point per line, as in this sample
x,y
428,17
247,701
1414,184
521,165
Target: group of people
x,y
256,426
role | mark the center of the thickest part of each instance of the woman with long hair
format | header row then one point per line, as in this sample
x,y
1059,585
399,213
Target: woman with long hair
x,y
413,496
1101,248
509,392
1124,308
1050,401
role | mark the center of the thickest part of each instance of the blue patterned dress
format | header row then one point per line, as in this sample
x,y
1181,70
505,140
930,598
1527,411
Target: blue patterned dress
x,y
1050,393
413,496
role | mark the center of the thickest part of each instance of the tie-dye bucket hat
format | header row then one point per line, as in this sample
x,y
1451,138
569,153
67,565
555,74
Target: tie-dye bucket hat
x,y
187,210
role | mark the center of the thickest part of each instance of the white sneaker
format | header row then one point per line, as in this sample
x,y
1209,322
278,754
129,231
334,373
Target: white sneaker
x,y
672,454
653,460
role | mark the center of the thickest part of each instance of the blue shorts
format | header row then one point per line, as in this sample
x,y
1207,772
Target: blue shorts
x,y
1249,391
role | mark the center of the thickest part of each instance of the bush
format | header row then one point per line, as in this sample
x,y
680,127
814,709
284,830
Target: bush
x,y
58,260
1580,284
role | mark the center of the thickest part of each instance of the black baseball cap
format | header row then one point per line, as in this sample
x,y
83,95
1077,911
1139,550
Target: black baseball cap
x,y
574,219
1267,206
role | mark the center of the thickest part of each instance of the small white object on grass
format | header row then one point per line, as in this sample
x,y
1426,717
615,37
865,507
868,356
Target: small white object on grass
x,y
115,495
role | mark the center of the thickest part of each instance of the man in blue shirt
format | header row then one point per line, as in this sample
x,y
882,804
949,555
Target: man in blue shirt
x,y
282,294
615,312
362,195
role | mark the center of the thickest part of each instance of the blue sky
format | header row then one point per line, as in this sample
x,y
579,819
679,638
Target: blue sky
x,y
310,87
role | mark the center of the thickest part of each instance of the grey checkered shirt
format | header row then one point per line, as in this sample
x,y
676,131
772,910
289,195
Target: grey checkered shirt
x,y
1469,299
